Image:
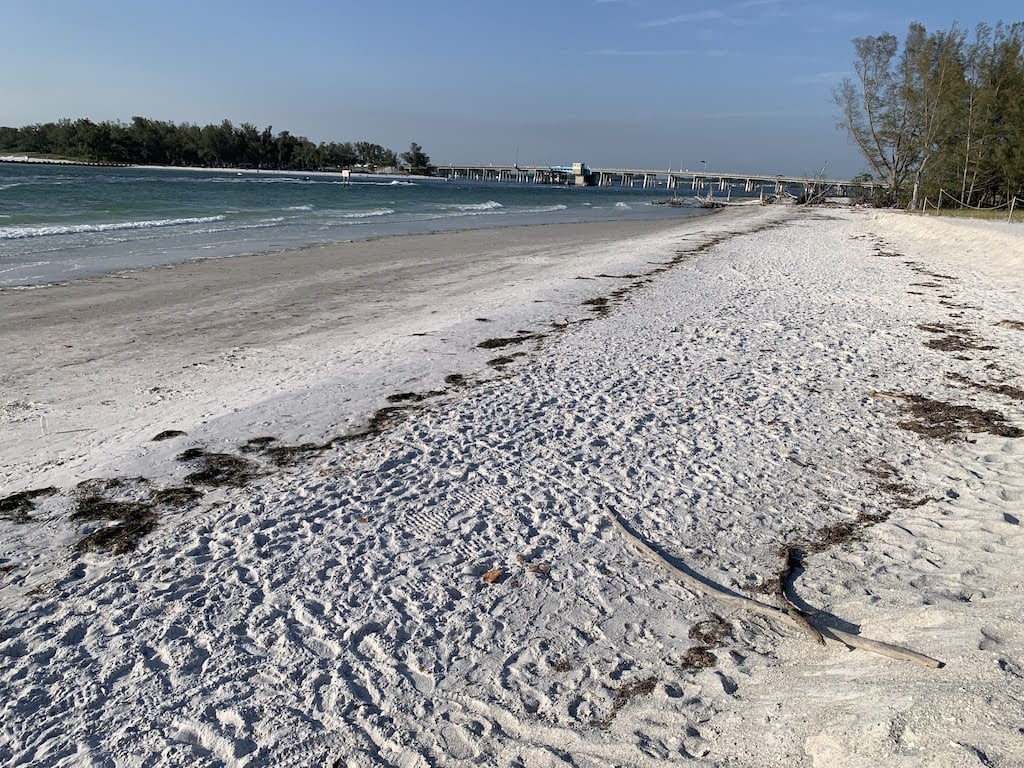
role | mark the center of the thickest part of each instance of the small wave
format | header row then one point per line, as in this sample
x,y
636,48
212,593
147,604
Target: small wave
x,y
249,178
30,265
234,227
18,233
490,205
623,206
299,208
458,211
366,214
362,182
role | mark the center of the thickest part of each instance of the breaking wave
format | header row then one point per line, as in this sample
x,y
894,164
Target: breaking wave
x,y
21,232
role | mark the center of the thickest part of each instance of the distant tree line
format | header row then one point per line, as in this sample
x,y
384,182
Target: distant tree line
x,y
945,113
155,142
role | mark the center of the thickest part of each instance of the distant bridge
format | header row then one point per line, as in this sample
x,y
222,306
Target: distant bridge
x,y
578,174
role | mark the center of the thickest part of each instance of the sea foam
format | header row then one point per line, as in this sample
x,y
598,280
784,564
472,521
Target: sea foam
x,y
21,232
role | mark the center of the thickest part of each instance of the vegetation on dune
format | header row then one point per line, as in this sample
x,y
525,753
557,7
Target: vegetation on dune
x,y
155,142
941,119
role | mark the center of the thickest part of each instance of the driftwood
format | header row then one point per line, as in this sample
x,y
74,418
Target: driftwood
x,y
705,586
816,631
780,594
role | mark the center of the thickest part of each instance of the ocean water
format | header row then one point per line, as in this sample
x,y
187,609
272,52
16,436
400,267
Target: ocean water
x,y
59,223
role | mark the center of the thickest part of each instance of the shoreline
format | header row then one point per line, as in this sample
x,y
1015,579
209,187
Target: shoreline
x,y
610,230
155,339
450,589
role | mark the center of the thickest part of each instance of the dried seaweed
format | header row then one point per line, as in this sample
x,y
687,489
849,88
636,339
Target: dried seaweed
x,y
497,343
288,455
130,504
90,507
119,538
255,444
1006,390
413,397
955,338
598,305
17,507
837,534
123,501
167,434
220,469
384,417
624,695
711,632
948,422
957,343
698,657
178,496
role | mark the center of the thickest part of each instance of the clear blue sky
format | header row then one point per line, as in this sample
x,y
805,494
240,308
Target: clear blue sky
x,y
743,84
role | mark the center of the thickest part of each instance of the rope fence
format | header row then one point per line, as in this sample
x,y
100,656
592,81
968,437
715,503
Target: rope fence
x,y
1010,205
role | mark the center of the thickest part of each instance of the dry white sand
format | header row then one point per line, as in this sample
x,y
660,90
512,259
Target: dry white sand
x,y
300,345
744,392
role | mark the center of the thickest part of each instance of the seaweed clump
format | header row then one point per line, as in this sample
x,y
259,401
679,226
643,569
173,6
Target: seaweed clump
x,y
18,506
624,695
712,631
219,469
130,505
413,397
698,657
598,305
953,338
948,422
1006,390
497,343
167,434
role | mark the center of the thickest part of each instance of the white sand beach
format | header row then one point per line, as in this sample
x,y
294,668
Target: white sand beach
x,y
384,528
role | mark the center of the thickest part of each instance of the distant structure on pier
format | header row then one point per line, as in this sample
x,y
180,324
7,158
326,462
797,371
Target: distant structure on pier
x,y
579,175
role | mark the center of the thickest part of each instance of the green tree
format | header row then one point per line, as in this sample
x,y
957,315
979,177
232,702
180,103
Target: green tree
x,y
336,155
875,111
944,115
145,140
931,75
418,161
374,155
1004,171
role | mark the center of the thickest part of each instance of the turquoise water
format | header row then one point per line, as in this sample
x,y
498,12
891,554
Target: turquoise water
x,y
59,223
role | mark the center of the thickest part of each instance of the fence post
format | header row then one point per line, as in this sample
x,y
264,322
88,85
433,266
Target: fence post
x,y
939,206
1013,202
